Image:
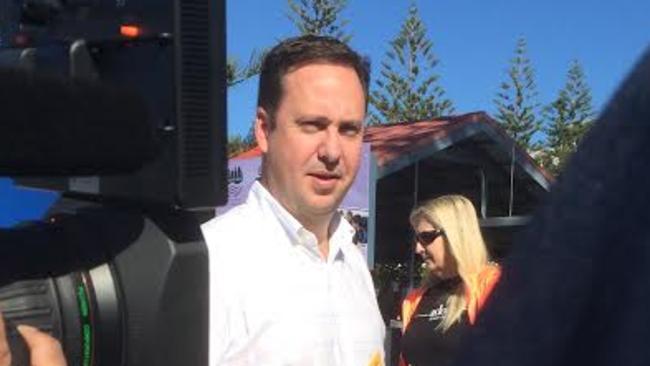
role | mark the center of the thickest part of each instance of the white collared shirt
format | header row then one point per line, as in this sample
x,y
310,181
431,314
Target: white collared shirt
x,y
275,301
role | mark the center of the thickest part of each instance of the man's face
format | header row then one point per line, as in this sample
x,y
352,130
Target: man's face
x,y
313,151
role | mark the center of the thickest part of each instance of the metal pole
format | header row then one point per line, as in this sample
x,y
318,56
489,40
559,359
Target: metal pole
x,y
512,179
416,188
484,198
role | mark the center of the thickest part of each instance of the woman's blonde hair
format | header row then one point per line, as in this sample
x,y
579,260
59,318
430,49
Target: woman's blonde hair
x,y
456,216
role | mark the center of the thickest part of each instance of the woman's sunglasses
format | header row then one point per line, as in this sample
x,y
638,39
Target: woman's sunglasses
x,y
427,237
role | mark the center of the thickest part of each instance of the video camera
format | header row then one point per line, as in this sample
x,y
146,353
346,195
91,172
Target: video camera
x,y
121,107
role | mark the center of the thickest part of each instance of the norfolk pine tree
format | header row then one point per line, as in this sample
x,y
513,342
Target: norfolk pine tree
x,y
319,17
236,74
516,100
407,89
236,145
568,117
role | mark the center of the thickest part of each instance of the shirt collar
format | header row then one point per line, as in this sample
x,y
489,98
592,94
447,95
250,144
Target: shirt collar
x,y
342,230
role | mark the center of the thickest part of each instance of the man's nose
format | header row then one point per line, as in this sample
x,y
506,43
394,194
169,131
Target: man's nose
x,y
329,151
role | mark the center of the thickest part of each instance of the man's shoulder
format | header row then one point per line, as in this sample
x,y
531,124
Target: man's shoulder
x,y
355,257
230,237
240,222
231,220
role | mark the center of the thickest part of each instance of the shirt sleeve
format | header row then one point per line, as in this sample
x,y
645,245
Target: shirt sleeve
x,y
225,317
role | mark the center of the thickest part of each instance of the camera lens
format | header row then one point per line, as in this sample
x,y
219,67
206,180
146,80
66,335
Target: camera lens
x,y
81,309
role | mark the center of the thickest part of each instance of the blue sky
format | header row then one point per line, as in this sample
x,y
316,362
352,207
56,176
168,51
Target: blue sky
x,y
473,40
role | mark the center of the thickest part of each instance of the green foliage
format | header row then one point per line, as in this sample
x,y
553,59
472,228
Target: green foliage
x,y
319,17
249,140
568,117
236,73
385,273
516,100
408,89
311,17
237,145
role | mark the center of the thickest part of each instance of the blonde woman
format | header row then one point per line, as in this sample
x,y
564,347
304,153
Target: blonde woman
x,y
459,279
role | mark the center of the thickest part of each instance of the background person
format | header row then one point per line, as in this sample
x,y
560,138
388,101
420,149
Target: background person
x,y
459,278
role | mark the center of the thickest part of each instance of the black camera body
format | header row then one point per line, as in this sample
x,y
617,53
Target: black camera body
x,y
173,59
120,106
135,295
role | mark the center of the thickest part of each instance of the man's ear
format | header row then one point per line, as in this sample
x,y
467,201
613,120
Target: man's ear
x,y
262,129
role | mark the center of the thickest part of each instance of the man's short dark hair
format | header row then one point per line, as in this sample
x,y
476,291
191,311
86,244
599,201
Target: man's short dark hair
x,y
298,51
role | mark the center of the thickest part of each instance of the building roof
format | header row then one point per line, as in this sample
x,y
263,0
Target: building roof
x,y
248,154
389,142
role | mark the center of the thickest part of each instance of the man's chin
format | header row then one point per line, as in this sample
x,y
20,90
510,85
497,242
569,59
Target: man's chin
x,y
334,188
324,205
330,189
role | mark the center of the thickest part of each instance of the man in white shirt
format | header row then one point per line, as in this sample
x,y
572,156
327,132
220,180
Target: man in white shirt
x,y
287,286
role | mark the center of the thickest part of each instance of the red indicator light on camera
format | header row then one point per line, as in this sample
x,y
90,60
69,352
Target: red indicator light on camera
x,y
130,31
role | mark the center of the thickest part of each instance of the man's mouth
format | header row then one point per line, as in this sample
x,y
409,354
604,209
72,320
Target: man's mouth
x,y
325,176
324,183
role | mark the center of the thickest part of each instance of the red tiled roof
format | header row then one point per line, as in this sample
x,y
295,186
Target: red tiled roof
x,y
391,141
252,153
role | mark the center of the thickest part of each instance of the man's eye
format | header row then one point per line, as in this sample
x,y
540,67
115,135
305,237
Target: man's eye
x,y
350,130
311,126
